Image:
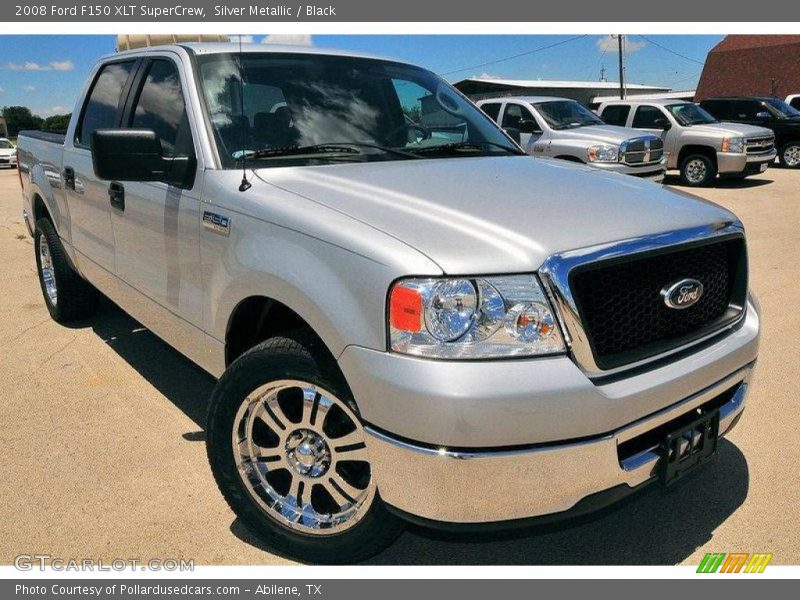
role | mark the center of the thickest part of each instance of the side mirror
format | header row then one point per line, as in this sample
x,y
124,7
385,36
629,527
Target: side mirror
x,y
513,133
136,155
662,124
528,126
762,116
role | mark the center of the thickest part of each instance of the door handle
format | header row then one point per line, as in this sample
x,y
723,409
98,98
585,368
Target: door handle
x,y
116,195
69,178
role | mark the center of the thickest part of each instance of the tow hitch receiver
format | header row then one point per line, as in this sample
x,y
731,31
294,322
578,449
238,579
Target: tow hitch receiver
x,y
688,447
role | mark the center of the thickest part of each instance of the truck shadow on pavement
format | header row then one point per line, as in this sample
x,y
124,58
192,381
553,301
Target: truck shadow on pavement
x,y
722,183
651,528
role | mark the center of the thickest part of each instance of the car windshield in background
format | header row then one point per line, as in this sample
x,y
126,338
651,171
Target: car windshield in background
x,y
301,109
782,110
5,144
566,114
688,114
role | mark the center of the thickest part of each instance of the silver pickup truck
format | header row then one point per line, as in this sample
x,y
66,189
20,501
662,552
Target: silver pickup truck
x,y
409,319
562,128
698,145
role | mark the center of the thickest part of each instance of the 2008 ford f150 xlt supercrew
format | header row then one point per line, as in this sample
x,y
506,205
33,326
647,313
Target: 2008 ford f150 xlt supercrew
x,y
410,319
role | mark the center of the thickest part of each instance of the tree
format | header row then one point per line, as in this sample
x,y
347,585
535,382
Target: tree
x,y
57,123
19,118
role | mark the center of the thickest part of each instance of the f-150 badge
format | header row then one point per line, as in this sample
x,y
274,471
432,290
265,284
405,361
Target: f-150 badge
x,y
217,223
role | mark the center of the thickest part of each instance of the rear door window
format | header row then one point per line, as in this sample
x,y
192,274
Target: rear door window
x,y
616,114
103,105
492,109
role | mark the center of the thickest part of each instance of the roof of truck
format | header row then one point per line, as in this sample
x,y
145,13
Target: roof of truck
x,y
529,99
658,101
203,48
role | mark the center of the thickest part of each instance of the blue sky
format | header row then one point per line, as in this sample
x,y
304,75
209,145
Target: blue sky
x,y
46,72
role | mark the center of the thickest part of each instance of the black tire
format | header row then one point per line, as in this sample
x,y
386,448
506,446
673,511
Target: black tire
x,y
75,298
688,173
277,359
789,155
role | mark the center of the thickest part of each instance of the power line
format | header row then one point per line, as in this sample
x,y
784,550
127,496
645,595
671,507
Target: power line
x,y
699,62
529,52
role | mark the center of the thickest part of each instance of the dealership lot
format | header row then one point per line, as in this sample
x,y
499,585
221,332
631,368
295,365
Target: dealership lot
x,y
103,453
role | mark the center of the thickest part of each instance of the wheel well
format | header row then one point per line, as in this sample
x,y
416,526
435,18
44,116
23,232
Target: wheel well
x,y
704,150
40,210
569,158
259,318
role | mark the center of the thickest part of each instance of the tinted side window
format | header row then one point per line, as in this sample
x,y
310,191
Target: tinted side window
x,y
102,108
795,103
719,109
616,114
492,109
161,107
746,109
515,114
646,117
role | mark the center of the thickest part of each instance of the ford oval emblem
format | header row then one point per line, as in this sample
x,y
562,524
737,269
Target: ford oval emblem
x,y
682,294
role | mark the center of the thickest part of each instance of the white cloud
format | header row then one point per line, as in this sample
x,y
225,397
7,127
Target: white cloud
x,y
609,44
294,39
56,65
28,88
49,111
2,89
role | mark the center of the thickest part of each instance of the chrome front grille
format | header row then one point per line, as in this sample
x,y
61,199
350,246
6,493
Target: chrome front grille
x,y
640,334
760,145
642,151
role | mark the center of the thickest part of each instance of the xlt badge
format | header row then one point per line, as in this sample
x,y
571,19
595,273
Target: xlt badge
x,y
217,223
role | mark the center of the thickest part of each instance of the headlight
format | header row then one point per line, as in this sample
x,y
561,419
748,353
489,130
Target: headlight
x,y
734,144
603,153
472,318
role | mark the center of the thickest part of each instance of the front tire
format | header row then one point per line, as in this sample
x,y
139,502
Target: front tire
x,y
790,155
698,170
66,294
287,449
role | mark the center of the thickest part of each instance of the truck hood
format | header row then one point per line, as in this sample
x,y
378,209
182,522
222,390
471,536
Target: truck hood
x,y
487,215
730,130
601,133
8,151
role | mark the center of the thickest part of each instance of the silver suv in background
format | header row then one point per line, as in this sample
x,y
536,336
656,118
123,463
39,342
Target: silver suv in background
x,y
698,145
562,128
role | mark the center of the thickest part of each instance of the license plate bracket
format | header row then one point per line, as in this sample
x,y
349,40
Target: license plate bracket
x,y
763,167
687,447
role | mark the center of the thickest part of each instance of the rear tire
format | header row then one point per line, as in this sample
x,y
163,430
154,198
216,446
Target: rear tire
x,y
698,170
790,155
284,440
66,294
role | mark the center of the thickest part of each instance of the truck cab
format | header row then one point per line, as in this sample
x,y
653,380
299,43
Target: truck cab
x,y
773,113
697,145
551,127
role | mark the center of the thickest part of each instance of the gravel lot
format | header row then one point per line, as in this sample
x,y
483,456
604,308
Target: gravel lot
x,y
103,454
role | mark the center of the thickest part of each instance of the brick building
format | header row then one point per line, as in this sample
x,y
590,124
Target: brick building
x,y
752,65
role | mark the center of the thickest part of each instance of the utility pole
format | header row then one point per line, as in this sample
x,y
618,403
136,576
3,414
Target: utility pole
x,y
603,73
620,44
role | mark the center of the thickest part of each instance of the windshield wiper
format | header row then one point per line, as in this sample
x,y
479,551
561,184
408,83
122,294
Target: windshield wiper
x,y
456,146
334,148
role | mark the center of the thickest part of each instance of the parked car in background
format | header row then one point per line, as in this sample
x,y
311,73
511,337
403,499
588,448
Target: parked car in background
x,y
777,115
8,153
562,128
695,142
793,100
404,327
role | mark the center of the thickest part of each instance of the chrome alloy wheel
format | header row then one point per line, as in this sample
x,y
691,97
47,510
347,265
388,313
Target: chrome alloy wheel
x,y
301,454
48,270
696,170
791,156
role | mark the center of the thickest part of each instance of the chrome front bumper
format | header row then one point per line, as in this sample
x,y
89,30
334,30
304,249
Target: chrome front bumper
x,y
437,484
729,163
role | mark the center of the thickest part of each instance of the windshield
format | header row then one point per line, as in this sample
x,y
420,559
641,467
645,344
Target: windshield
x,y
566,114
300,109
5,144
781,109
688,114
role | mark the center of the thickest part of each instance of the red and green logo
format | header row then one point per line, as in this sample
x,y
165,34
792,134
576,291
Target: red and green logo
x,y
736,562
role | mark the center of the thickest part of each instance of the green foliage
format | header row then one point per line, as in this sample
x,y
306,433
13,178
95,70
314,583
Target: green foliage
x,y
20,118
